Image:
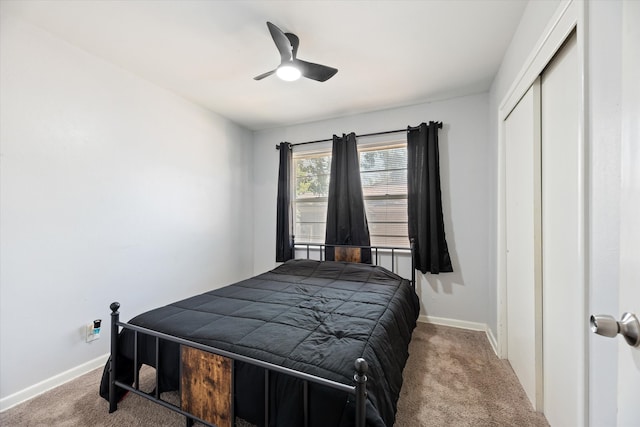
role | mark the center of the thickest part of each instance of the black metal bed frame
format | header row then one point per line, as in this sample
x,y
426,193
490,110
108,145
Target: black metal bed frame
x,y
359,390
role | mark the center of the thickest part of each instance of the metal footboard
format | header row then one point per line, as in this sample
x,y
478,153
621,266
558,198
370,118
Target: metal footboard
x,y
359,390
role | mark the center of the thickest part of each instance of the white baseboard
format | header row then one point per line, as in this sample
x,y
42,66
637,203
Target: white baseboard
x,y
493,341
462,324
50,383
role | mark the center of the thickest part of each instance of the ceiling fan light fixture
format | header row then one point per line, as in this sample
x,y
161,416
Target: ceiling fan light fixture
x,y
291,68
288,72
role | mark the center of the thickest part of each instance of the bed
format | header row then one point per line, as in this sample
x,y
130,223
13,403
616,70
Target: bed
x,y
309,343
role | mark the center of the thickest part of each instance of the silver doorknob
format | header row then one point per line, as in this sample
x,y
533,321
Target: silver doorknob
x,y
628,327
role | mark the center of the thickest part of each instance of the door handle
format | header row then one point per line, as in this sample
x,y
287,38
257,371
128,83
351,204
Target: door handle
x,y
628,327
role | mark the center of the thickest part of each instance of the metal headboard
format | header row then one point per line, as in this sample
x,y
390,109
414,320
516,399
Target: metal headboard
x,y
375,252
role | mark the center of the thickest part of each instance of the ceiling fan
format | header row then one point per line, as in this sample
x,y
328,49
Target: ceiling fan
x,y
291,68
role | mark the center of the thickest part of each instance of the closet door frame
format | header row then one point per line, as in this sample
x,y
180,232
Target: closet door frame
x,y
569,17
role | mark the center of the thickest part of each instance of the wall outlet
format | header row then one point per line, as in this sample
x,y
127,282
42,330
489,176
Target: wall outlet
x,y
93,330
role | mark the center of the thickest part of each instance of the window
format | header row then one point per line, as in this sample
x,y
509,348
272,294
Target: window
x,y
383,172
311,174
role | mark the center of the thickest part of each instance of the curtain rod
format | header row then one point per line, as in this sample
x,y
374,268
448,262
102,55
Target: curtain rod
x,y
359,136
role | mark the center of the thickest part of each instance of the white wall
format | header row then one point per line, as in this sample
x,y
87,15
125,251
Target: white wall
x,y
112,189
464,160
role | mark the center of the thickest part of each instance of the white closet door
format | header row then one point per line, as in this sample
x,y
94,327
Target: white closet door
x,y
563,248
628,357
523,274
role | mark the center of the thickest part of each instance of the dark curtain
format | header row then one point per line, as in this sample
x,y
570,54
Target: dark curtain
x,y
426,225
284,242
346,217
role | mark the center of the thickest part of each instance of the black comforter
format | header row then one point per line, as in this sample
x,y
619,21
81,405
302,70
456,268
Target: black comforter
x,y
312,316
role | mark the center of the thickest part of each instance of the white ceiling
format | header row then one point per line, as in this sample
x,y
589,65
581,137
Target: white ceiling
x,y
388,53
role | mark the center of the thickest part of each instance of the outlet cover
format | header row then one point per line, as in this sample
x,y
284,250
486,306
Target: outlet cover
x,y
92,334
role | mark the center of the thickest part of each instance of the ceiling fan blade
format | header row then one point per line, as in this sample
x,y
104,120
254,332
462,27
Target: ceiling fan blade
x,y
282,42
262,76
316,72
295,42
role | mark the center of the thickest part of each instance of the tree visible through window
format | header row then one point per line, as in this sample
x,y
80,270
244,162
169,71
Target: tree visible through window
x,y
383,172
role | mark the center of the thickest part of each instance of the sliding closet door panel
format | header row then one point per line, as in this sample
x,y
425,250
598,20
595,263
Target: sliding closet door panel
x,y
562,247
522,151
